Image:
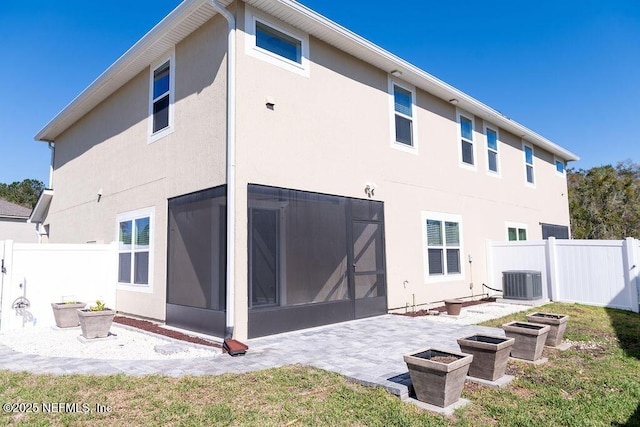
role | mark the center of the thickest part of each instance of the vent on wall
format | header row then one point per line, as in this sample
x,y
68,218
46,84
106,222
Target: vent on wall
x,y
522,285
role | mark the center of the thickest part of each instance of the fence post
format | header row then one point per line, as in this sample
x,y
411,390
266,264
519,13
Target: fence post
x,y
630,265
552,270
6,255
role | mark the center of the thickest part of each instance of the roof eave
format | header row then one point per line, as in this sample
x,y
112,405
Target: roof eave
x,y
127,66
420,78
39,211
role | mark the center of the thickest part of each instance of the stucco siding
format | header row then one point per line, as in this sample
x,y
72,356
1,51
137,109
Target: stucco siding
x,y
331,133
108,151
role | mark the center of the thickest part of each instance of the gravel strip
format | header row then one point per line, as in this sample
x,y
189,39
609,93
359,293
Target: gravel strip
x,y
124,344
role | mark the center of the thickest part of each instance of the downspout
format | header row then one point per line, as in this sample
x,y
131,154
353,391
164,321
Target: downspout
x,y
231,165
52,147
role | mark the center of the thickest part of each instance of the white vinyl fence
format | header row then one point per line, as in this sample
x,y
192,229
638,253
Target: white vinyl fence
x,y
35,275
595,272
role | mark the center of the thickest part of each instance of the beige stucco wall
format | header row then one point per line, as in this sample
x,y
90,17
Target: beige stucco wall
x,y
330,132
20,231
108,150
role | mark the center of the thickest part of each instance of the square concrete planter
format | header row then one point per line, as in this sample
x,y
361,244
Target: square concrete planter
x,y
438,375
96,324
490,355
66,314
529,339
453,306
557,322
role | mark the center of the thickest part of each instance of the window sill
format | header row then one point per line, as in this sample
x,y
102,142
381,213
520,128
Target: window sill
x,y
429,280
160,134
147,289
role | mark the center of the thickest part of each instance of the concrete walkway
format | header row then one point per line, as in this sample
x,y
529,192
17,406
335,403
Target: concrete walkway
x,y
367,350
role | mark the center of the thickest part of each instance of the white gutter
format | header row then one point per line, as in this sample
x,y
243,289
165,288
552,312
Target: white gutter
x,y
231,165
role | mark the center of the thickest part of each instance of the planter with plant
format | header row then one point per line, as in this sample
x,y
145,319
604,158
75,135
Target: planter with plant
x,y
96,320
437,375
557,323
66,313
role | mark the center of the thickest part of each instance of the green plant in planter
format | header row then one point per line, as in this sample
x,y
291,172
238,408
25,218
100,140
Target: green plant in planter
x,y
96,320
98,307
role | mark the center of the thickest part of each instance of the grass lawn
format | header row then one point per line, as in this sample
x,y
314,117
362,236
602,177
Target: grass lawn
x,y
595,383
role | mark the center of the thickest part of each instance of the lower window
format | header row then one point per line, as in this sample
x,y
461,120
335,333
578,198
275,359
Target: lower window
x,y
443,241
134,247
516,233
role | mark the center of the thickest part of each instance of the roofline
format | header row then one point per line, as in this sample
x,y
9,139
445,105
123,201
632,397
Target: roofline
x,y
14,216
420,78
182,11
464,101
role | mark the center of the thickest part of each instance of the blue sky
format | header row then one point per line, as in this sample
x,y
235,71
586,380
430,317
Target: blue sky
x,y
565,69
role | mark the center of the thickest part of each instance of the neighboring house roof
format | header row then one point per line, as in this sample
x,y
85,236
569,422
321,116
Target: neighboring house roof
x,y
191,14
12,210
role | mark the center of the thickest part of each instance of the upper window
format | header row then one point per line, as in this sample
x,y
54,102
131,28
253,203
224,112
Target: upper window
x,y
443,238
403,109
560,167
161,99
134,247
466,140
528,163
280,45
492,150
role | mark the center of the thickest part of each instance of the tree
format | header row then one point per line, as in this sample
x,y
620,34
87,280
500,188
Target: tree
x,y
23,193
604,202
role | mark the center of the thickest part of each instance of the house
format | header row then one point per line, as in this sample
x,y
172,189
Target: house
x,y
265,169
14,223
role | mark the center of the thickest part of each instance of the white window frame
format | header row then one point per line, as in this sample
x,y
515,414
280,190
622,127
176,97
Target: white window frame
x,y
498,173
459,114
518,226
557,160
252,49
413,149
445,277
132,216
533,163
171,57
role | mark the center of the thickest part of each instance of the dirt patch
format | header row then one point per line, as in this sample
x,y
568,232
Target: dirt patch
x,y
444,359
145,325
443,308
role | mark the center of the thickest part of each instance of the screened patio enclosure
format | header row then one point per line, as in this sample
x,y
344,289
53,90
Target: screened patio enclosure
x,y
196,261
314,259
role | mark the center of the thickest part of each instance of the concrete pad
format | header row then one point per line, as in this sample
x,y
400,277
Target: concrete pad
x,y
538,362
84,340
447,411
501,382
562,347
